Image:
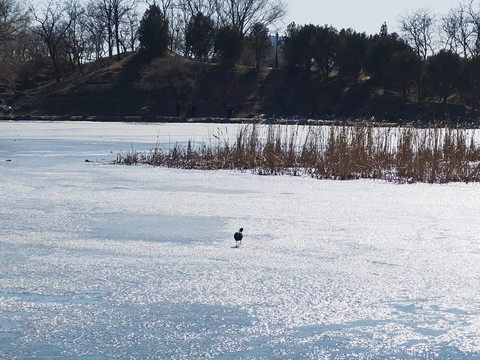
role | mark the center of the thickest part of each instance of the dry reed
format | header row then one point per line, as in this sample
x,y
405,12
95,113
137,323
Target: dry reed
x,y
435,154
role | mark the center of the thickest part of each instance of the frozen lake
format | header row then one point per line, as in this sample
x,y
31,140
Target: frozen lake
x,y
102,261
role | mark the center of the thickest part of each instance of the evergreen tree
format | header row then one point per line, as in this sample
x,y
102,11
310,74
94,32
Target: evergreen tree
x,y
259,43
470,81
325,46
406,66
153,32
200,36
351,53
311,48
298,49
379,55
229,45
443,72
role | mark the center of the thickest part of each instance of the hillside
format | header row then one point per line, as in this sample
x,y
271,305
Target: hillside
x,y
135,87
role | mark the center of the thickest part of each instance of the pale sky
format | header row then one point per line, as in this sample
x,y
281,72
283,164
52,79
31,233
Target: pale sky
x,y
361,15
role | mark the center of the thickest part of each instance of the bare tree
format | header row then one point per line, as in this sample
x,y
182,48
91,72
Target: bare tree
x,y
52,28
107,9
461,29
13,22
474,21
112,13
418,30
120,10
458,31
165,6
129,31
12,19
193,7
242,14
178,32
96,29
76,35
13,41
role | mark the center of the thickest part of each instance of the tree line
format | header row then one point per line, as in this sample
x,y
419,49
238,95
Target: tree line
x,y
71,33
432,56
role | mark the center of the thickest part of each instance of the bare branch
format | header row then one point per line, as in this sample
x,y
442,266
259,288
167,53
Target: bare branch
x,y
418,30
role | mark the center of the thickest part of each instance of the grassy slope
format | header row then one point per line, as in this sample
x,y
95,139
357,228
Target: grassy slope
x,y
137,87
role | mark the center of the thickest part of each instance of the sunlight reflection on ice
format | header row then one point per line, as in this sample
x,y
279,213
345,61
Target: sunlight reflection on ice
x,y
110,262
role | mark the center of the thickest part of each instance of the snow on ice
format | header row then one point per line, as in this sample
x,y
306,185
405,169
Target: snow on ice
x,y
102,261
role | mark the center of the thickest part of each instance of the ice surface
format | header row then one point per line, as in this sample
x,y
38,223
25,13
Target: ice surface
x,y
100,261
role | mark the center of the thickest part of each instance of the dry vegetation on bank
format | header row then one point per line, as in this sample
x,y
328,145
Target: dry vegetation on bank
x,y
434,155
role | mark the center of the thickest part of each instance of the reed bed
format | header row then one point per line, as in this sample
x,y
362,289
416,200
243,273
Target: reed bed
x,y
406,155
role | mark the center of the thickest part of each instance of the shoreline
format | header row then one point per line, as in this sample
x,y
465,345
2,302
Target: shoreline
x,y
204,120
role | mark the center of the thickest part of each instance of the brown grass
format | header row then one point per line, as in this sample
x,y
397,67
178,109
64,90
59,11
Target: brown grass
x,y
434,155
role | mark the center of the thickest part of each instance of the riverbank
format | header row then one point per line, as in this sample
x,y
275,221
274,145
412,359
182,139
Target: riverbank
x,y
206,120
173,88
